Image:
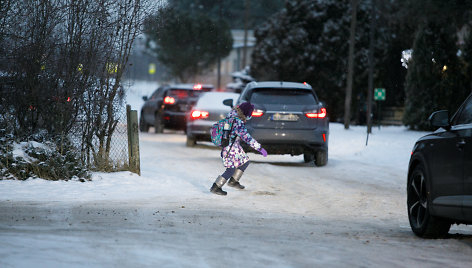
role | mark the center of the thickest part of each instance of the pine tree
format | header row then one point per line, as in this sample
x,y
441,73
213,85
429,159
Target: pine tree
x,y
308,42
232,10
467,60
434,81
187,44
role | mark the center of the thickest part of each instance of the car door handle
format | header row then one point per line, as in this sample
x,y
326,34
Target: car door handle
x,y
461,144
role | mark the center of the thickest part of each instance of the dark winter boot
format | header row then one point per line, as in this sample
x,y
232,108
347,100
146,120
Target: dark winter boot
x,y
234,181
216,187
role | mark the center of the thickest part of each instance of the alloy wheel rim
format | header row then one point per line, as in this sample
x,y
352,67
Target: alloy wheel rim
x,y
417,201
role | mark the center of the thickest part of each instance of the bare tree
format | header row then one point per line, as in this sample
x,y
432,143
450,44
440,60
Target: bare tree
x,y
65,60
122,27
115,25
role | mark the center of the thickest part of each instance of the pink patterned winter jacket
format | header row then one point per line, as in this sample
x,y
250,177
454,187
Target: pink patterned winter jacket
x,y
233,155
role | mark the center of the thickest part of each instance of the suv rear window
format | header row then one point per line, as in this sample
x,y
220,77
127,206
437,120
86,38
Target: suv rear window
x,y
286,97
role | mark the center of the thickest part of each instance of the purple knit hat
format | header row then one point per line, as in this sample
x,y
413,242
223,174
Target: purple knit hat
x,y
246,108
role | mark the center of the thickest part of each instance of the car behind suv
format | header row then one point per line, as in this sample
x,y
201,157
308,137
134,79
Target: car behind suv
x,y
168,105
288,118
207,111
439,187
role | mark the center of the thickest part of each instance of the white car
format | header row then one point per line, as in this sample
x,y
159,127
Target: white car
x,y
208,110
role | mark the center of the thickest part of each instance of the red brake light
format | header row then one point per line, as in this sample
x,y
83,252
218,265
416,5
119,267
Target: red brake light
x,y
321,114
197,87
199,114
169,100
257,113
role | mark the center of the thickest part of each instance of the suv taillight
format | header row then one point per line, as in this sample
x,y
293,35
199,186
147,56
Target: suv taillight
x,y
169,100
198,114
257,113
316,114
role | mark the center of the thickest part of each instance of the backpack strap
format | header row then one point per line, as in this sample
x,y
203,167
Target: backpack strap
x,y
230,135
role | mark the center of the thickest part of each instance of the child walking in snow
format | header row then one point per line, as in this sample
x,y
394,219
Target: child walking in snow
x,y
234,158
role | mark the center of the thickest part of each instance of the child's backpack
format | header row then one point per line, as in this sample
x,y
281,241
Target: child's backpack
x,y
221,132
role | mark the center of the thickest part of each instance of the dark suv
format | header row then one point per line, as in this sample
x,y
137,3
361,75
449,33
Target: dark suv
x,y
439,189
168,105
288,118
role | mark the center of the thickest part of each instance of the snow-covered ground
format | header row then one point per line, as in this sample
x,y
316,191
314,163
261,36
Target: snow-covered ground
x,y
351,212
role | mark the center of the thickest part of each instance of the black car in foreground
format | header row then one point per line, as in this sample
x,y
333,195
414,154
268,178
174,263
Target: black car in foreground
x,y
288,118
168,106
439,189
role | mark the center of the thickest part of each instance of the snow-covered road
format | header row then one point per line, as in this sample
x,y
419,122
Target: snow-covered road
x,y
349,213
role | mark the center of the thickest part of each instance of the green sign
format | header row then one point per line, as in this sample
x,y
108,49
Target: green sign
x,y
379,94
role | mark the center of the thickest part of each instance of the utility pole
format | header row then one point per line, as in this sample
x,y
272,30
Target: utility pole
x,y
350,68
220,11
246,18
371,70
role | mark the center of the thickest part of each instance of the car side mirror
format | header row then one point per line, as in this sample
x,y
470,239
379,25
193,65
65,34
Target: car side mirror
x,y
145,98
228,102
440,119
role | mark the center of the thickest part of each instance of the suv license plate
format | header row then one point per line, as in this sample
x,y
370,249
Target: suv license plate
x,y
284,117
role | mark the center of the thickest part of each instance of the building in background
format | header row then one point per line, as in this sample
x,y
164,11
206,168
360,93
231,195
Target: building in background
x,y
141,63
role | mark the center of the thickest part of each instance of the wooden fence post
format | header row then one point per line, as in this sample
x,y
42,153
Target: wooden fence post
x,y
133,140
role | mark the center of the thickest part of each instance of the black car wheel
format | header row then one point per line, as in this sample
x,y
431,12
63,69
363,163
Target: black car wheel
x,y
422,223
143,127
191,141
321,158
158,125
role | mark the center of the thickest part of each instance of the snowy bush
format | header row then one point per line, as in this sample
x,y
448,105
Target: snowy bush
x,y
39,156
